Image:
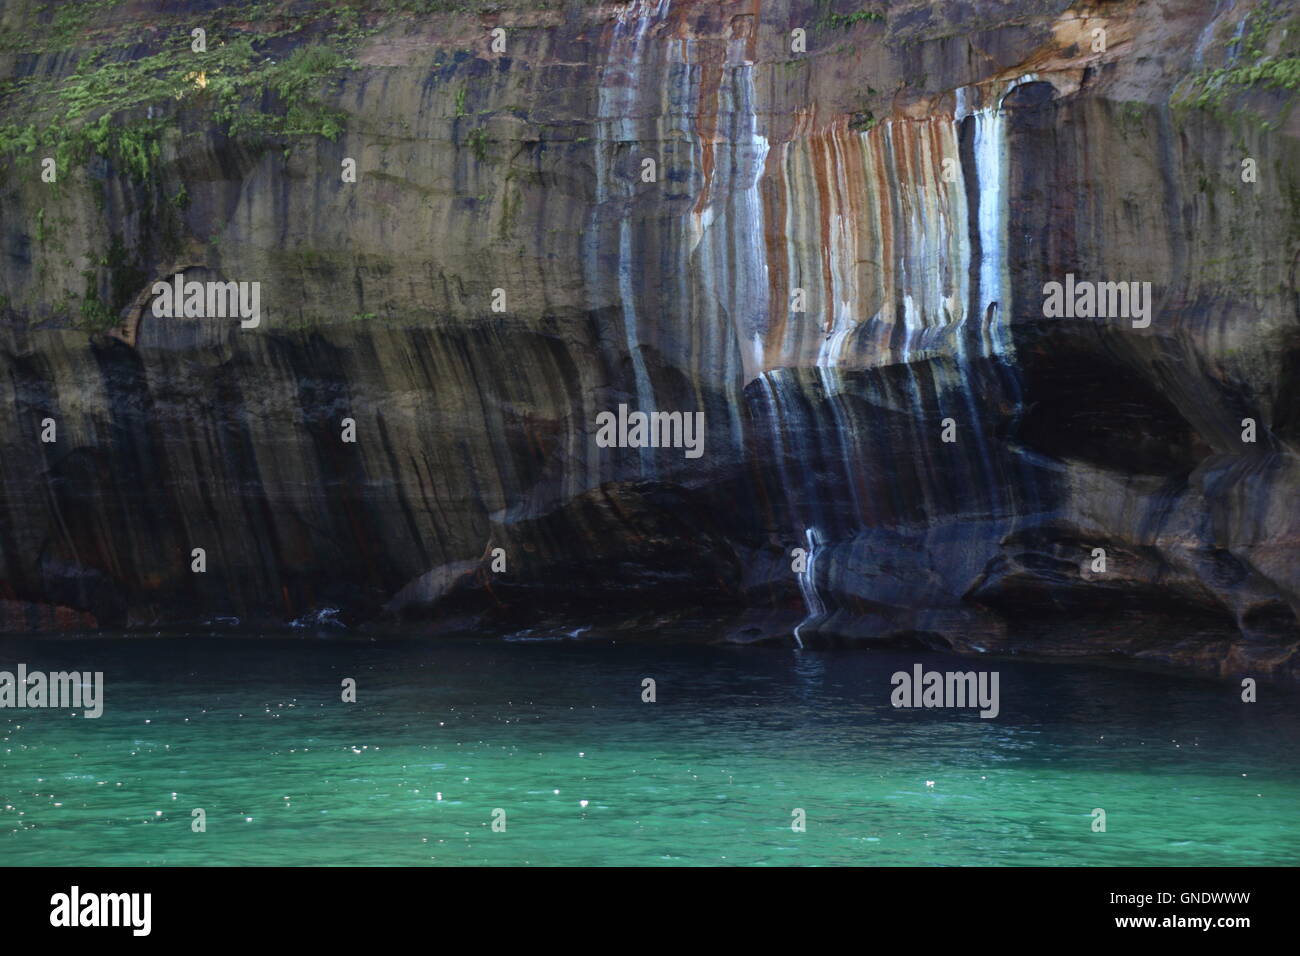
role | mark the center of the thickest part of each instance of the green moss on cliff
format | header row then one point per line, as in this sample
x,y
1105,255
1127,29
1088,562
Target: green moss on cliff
x,y
477,142
118,104
1263,54
845,21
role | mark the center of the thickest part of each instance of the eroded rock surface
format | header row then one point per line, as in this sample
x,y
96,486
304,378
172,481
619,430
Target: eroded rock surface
x,y
842,249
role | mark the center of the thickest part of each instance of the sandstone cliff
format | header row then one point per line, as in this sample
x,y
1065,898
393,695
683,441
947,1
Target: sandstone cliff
x,y
841,253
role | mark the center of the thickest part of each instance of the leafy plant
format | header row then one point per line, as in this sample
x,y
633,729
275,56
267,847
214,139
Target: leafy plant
x,y
477,140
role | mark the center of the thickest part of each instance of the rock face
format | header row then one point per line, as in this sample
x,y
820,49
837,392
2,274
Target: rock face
x,y
835,244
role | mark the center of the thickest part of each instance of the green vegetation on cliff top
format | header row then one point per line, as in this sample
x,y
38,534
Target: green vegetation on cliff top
x,y
119,101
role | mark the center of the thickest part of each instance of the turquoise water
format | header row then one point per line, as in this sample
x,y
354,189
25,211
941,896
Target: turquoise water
x,y
254,732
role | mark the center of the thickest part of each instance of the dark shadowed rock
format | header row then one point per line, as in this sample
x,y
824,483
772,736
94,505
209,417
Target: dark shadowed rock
x,y
912,182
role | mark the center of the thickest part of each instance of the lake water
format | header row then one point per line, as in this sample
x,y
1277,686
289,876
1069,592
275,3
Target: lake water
x,y
556,735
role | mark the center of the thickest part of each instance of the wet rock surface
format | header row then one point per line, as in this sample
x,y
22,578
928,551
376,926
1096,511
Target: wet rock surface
x,y
840,262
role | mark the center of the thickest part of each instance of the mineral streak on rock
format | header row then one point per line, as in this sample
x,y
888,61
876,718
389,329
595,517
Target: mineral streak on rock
x,y
912,182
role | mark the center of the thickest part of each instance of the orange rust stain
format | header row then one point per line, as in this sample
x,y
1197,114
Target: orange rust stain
x,y
751,42
820,151
876,143
856,181
775,198
706,127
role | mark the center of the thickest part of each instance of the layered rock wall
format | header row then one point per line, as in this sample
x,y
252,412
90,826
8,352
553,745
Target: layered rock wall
x,y
840,260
